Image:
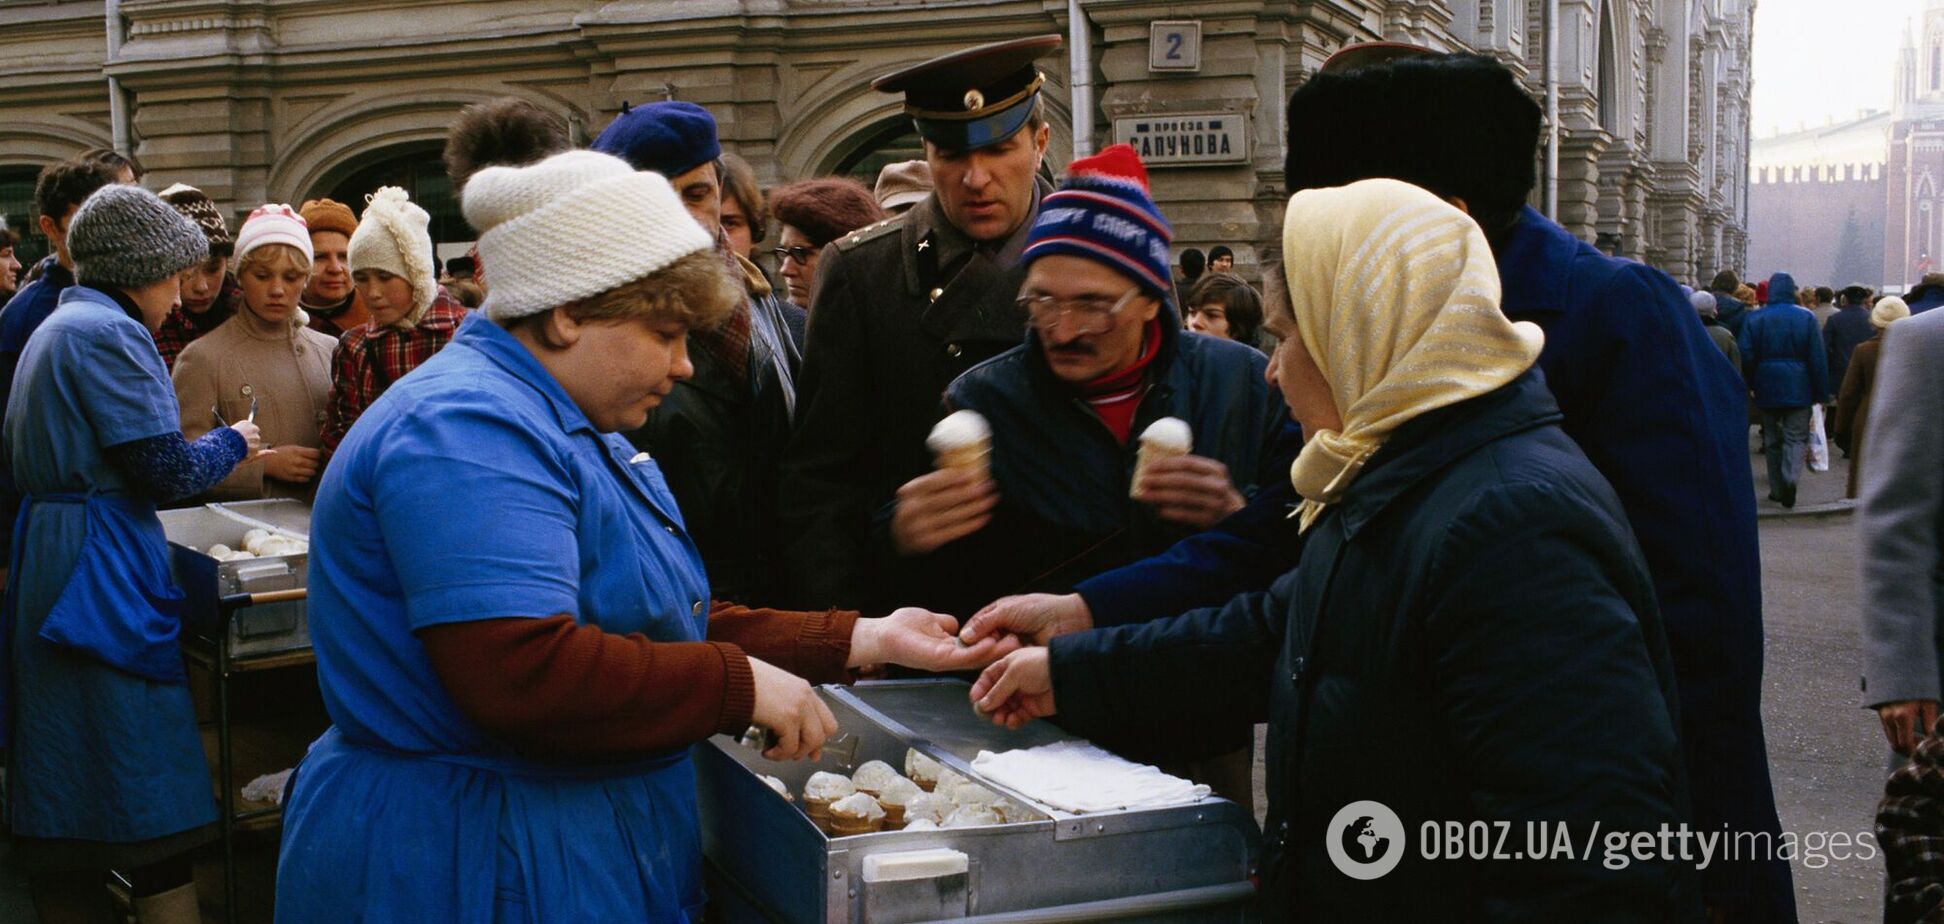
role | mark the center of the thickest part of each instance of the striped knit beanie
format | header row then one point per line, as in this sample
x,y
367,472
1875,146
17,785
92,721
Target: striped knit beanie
x,y
1103,212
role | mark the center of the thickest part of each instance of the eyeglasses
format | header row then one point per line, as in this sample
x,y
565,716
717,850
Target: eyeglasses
x,y
802,255
1091,314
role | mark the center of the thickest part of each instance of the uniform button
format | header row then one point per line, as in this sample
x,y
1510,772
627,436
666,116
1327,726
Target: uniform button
x,y
953,350
1296,671
671,530
697,608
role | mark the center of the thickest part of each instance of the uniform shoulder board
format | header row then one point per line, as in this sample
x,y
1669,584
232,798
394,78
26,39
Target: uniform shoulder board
x,y
871,232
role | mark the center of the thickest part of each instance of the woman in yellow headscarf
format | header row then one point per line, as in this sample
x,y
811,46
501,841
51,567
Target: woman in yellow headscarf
x,y
1469,636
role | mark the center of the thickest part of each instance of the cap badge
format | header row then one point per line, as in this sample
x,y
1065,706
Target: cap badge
x,y
974,100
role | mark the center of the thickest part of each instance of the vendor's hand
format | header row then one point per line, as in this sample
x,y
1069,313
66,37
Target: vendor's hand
x,y
792,711
1190,490
1908,722
922,639
1037,618
252,437
939,507
1016,690
295,464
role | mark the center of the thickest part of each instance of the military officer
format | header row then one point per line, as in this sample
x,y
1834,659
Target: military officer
x,y
906,305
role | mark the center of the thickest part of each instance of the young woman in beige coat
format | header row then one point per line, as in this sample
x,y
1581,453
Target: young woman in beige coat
x,y
264,361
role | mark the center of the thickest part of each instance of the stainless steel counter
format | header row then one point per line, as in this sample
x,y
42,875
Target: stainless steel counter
x,y
1181,863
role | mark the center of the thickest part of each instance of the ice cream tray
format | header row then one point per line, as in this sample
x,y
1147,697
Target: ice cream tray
x,y
267,629
769,862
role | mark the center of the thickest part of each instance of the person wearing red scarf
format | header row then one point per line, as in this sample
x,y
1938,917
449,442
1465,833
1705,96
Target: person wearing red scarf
x,y
1105,357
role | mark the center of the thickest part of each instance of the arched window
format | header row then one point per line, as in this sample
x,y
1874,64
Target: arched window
x,y
1937,67
1607,90
887,143
417,169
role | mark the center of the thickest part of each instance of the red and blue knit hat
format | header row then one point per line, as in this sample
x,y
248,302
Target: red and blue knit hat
x,y
1103,212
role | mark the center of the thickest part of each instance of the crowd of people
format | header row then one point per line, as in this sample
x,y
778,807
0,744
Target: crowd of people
x,y
1450,481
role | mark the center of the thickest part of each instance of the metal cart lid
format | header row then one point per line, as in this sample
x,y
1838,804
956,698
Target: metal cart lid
x,y
281,514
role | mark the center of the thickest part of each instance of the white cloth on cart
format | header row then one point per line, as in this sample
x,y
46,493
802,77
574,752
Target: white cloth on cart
x,y
1075,776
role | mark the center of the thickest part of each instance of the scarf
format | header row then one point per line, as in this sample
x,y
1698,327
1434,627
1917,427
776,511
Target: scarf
x,y
1115,396
1396,298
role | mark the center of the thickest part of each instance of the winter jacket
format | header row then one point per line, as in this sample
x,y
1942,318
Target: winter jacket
x,y
1730,311
1853,407
1666,422
718,439
1478,574
1724,340
903,307
288,375
1783,356
1841,335
1064,479
1924,297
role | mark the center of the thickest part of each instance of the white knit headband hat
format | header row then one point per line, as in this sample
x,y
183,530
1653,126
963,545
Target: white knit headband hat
x,y
394,236
574,225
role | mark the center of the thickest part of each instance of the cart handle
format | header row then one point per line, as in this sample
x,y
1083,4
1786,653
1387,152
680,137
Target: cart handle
x,y
239,601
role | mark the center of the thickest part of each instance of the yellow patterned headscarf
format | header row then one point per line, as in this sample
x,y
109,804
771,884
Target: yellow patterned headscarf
x,y
1397,299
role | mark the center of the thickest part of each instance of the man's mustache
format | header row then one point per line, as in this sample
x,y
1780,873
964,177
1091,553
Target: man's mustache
x,y
1073,348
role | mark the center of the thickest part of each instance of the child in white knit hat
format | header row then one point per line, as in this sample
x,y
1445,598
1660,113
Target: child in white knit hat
x,y
412,316
263,363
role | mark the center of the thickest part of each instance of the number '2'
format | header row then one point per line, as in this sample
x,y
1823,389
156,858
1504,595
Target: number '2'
x,y
1174,46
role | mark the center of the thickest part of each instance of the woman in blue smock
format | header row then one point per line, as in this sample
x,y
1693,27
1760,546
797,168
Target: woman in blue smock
x,y
514,634
106,768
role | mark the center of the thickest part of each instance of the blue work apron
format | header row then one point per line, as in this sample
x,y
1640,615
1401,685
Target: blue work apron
x,y
107,748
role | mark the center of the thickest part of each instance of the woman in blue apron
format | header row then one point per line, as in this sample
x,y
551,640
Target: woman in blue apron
x,y
514,633
106,769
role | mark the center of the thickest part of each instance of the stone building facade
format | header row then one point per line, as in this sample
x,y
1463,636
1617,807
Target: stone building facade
x,y
279,100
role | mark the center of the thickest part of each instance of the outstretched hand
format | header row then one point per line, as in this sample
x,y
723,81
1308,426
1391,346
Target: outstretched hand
x,y
924,640
1016,690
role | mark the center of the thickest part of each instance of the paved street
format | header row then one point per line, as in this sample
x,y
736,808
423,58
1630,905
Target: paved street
x,y
1827,754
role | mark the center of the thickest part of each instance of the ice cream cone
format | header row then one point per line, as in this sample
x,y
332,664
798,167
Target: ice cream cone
x,y
1166,438
963,440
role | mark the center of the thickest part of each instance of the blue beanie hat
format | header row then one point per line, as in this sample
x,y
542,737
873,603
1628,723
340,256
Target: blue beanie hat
x,y
669,138
1103,212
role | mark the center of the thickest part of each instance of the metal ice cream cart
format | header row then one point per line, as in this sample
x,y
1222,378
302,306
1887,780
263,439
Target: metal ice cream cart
x,y
769,862
239,616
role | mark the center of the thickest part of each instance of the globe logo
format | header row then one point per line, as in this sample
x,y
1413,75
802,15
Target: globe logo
x,y
1365,840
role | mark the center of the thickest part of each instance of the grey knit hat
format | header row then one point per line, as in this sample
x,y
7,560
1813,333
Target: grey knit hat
x,y
127,237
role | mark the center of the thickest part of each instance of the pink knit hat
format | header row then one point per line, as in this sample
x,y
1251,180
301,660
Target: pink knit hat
x,y
274,224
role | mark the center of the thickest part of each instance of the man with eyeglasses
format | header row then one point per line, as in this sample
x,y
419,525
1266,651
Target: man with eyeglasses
x,y
1105,357
906,305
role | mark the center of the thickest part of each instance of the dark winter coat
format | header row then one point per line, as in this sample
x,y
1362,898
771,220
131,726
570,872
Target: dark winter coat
x,y
718,439
1924,297
1470,635
1665,421
1842,333
1730,311
1064,479
903,307
1783,356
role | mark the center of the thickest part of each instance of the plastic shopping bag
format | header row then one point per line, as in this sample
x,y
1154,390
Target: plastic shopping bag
x,y
1818,440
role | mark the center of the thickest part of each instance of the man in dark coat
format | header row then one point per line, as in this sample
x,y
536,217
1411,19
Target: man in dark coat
x,y
1787,368
907,305
718,436
1729,310
1844,330
1927,294
1106,358
1644,394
